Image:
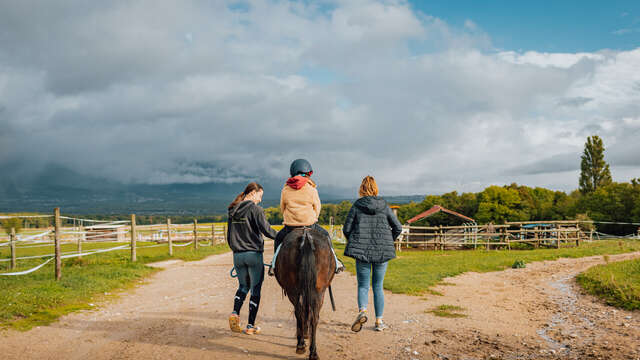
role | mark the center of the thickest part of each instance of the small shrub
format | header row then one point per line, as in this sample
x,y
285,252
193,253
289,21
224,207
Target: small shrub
x,y
519,264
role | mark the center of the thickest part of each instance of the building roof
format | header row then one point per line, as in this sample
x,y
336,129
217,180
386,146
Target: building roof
x,y
436,209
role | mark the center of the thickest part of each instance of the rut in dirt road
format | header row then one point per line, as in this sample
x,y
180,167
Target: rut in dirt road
x,y
181,312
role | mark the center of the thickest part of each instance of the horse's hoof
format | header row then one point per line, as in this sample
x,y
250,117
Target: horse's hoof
x,y
301,350
314,357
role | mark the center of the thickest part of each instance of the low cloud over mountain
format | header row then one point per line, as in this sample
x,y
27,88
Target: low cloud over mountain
x,y
163,92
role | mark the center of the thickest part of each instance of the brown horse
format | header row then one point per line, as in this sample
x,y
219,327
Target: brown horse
x,y
304,269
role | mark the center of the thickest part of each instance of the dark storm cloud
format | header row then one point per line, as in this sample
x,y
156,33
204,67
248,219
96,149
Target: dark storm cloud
x,y
575,102
162,92
553,164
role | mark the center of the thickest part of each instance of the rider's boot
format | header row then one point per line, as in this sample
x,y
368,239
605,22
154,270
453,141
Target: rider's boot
x,y
339,264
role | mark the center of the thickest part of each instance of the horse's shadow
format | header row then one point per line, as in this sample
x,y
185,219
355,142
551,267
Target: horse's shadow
x,y
183,333
337,326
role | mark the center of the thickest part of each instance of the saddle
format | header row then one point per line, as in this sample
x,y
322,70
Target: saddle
x,y
305,237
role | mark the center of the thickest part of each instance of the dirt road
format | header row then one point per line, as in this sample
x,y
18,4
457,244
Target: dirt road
x,y
181,313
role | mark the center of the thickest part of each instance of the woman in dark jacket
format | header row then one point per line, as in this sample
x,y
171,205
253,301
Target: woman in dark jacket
x,y
370,229
246,225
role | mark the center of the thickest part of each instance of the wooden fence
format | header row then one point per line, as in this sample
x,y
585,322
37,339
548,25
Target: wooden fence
x,y
553,234
126,232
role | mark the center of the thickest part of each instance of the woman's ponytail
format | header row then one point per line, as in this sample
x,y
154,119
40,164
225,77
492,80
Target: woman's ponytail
x,y
253,186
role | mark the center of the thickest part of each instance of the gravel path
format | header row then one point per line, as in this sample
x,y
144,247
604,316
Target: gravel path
x,y
181,313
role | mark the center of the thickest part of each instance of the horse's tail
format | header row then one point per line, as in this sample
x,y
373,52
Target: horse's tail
x,y
307,279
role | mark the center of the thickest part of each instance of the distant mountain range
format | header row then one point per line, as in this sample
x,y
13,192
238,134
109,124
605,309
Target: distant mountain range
x,y
56,186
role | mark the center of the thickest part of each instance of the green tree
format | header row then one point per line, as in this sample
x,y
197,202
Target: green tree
x,y
8,224
594,171
611,203
274,216
500,204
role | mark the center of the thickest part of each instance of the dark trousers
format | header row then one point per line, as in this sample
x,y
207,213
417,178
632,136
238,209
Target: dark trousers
x,y
287,229
250,268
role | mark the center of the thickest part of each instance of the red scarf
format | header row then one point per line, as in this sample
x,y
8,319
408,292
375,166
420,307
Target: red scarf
x,y
297,182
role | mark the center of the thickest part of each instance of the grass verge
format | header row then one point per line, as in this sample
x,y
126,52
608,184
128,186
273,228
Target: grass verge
x,y
617,283
414,272
448,311
37,299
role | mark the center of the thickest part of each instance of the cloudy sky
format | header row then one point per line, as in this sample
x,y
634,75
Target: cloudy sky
x,y
427,97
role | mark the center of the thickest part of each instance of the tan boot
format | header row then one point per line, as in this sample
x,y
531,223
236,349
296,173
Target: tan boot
x,y
234,323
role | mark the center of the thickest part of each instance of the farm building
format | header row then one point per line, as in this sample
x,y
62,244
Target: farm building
x,y
426,237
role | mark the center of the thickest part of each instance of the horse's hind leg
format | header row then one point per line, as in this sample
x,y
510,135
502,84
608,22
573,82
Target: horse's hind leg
x,y
313,354
301,346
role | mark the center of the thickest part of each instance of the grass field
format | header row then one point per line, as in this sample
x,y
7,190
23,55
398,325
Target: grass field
x,y
36,299
617,283
414,272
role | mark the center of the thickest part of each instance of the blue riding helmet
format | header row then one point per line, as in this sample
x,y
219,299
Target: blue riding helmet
x,y
300,166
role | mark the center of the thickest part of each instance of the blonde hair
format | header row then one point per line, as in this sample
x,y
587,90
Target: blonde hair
x,y
368,187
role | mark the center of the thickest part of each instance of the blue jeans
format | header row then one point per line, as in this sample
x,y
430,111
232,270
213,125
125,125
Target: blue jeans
x,y
374,273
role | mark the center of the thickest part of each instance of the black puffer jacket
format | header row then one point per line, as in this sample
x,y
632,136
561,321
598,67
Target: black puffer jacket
x,y
246,225
370,229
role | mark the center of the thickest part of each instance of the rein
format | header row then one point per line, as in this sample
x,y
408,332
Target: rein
x,y
234,273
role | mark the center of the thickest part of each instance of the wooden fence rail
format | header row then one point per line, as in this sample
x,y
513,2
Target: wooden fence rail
x,y
546,234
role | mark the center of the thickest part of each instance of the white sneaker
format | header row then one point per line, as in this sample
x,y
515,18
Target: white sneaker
x,y
380,325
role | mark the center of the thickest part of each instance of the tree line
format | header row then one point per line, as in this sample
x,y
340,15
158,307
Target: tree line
x,y
614,202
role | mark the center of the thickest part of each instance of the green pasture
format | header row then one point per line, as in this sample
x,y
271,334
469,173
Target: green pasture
x,y
414,272
37,299
617,283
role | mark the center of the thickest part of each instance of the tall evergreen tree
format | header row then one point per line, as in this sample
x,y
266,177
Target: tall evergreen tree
x,y
594,171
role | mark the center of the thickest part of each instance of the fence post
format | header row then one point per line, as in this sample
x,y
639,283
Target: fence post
x,y
506,238
224,229
490,230
475,236
80,237
213,233
195,234
13,248
169,237
57,227
578,237
134,255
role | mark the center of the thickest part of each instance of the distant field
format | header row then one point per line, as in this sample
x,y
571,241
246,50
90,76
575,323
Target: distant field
x,y
414,272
